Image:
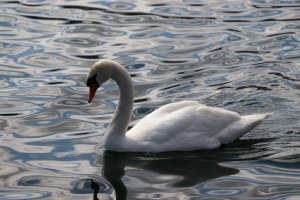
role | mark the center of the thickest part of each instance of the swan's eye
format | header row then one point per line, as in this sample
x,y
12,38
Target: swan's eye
x,y
91,80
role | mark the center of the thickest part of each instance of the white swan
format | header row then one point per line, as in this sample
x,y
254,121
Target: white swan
x,y
180,126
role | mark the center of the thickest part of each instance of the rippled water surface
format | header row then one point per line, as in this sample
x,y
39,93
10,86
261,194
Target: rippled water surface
x,y
241,55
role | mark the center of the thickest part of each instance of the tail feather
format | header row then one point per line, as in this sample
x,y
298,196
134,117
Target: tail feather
x,y
242,126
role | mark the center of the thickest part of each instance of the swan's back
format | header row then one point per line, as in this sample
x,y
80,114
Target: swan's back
x,y
188,125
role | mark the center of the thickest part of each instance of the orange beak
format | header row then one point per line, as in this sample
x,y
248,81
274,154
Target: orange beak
x,y
93,90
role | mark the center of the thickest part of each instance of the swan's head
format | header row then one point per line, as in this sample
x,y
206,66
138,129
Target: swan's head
x,y
99,73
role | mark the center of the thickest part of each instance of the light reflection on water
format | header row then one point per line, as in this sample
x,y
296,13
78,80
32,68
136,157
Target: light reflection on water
x,y
241,55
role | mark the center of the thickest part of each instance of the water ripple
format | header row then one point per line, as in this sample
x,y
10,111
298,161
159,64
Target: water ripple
x,y
241,55
25,195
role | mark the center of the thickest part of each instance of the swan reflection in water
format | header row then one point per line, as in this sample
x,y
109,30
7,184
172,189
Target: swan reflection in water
x,y
191,169
95,186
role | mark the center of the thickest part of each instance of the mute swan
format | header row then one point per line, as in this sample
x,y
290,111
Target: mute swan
x,y
180,126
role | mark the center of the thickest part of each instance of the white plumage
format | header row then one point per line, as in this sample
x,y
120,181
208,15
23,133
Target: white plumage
x,y
180,126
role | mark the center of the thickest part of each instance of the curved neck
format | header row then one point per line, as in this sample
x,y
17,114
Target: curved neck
x,y
122,116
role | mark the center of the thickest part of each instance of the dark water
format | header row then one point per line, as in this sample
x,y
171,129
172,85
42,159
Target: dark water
x,y
241,55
